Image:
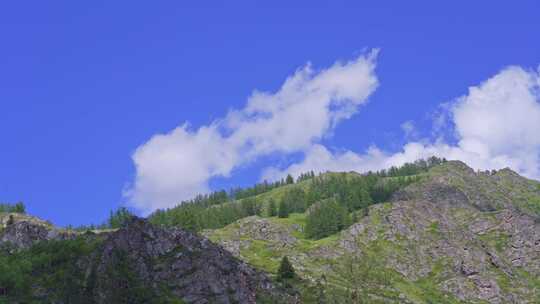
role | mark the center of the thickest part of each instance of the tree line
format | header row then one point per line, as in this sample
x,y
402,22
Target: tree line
x,y
117,219
14,208
407,169
332,200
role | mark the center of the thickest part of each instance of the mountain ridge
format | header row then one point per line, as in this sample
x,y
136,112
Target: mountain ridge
x,y
446,234
451,228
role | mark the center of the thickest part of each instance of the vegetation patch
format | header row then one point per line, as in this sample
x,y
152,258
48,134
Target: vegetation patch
x,y
427,289
50,265
495,239
261,256
433,229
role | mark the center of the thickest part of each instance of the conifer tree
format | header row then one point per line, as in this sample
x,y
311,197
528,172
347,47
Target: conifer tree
x,y
286,270
326,219
289,179
19,208
249,206
272,207
119,217
283,211
365,211
295,199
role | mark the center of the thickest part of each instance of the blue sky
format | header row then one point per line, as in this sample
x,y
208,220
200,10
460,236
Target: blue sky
x,y
84,84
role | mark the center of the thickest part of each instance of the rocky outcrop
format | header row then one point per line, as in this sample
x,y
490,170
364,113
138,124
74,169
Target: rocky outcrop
x,y
22,234
13,217
141,263
463,229
255,228
486,191
192,268
476,252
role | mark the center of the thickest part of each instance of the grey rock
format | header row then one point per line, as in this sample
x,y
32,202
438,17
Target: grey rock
x,y
24,234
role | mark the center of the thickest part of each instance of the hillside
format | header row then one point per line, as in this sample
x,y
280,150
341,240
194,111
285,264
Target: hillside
x,y
428,232
138,263
455,236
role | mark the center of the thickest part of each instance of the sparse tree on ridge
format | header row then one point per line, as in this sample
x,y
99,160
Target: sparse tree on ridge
x,y
289,179
119,217
19,208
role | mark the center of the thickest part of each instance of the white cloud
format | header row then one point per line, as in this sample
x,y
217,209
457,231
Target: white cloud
x,y
319,159
175,166
501,117
305,109
409,129
178,164
497,124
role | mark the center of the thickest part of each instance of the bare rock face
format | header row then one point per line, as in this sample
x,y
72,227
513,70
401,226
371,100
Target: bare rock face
x,y
192,268
470,232
472,260
23,234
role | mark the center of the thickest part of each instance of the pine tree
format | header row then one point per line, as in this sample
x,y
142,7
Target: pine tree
x,y
249,206
289,179
283,211
295,199
354,217
286,270
365,211
19,208
272,208
119,217
326,219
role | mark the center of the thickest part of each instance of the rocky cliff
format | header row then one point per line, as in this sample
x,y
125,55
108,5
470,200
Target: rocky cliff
x,y
139,263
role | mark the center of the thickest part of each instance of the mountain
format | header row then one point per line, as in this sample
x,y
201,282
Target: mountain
x,y
435,232
455,236
139,263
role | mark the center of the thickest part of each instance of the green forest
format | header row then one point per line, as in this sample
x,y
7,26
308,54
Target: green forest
x,y
332,200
